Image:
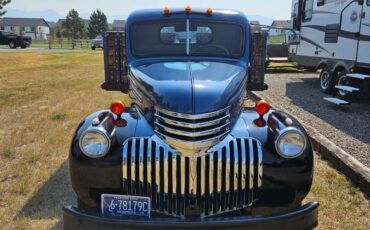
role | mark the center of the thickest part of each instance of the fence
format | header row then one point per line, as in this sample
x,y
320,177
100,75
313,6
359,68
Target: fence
x,y
62,44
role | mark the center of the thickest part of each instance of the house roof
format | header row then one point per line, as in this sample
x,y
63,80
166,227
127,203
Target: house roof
x,y
51,24
255,22
281,23
33,22
118,24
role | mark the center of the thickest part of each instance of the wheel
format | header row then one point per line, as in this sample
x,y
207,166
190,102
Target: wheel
x,y
23,46
12,45
343,80
93,47
327,80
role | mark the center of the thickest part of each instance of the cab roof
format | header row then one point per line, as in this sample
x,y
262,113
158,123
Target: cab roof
x,y
178,13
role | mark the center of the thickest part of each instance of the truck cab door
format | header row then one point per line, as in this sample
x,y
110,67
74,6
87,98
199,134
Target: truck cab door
x,y
363,57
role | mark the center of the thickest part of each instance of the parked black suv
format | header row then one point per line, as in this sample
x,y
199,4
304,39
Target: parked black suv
x,y
13,40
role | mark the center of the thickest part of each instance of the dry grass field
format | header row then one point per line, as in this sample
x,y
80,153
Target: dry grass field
x,y
44,96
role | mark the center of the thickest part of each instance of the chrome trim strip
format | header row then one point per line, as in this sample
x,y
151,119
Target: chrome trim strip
x,y
157,175
125,167
228,174
174,182
193,116
133,154
194,134
149,166
193,125
260,169
211,181
193,176
141,166
203,176
165,170
251,167
235,176
219,180
244,173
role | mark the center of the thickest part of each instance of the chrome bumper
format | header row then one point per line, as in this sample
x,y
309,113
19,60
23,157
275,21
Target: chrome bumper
x,y
302,218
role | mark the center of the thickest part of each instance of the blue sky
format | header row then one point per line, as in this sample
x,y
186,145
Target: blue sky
x,y
276,9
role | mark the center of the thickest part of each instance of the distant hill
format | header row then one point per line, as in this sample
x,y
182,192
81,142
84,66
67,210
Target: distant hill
x,y
48,15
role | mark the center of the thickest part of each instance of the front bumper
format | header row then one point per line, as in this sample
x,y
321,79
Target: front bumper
x,y
304,217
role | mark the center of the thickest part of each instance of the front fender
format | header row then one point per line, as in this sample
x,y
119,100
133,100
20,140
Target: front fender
x,y
88,175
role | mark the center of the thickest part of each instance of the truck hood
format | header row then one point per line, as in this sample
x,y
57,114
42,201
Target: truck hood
x,y
190,87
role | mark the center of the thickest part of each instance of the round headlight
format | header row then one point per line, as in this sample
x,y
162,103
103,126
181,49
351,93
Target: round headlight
x,y
290,143
94,143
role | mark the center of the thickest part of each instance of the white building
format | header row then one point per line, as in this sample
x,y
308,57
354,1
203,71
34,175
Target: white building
x,y
279,24
37,28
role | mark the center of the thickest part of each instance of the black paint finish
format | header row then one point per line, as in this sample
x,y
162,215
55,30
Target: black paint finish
x,y
285,182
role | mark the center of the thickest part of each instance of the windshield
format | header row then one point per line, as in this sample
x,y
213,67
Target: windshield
x,y
187,37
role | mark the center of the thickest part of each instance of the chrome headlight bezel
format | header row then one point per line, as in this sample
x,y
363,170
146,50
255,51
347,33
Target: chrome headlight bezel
x,y
283,134
97,131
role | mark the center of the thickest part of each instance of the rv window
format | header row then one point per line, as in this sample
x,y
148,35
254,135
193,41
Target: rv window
x,y
307,10
321,2
295,17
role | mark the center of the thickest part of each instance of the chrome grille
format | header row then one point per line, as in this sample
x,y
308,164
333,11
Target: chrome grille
x,y
188,127
223,180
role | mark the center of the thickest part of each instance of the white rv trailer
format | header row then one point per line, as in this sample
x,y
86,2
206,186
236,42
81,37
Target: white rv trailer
x,y
334,36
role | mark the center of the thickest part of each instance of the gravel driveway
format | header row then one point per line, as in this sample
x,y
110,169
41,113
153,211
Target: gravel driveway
x,y
299,94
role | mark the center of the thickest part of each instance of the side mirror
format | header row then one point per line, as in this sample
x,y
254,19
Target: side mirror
x,y
115,65
256,80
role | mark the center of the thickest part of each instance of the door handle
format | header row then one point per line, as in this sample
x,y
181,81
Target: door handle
x,y
363,14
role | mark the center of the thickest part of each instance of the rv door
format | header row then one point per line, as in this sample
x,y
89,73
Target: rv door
x,y
363,58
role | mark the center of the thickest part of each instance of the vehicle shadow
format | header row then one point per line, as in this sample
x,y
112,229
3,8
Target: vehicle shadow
x,y
289,69
48,201
352,120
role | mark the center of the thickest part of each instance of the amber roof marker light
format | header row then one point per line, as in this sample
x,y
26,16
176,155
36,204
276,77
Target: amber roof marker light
x,y
188,9
166,11
209,11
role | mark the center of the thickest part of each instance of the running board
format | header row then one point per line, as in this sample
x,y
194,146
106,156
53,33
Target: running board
x,y
336,101
347,88
358,76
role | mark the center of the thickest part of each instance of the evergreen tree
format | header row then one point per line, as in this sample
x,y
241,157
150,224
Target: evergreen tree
x,y
58,32
74,26
2,4
98,24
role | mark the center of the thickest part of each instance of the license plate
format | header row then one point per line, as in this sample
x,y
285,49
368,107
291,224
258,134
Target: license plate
x,y
125,206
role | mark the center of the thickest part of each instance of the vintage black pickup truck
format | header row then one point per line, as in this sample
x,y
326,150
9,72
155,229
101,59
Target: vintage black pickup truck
x,y
13,40
186,153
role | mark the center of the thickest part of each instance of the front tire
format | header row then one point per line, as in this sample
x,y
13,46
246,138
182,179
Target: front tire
x,y
12,45
327,80
93,47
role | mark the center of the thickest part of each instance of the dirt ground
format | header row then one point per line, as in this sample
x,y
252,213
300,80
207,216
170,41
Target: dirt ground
x,y
44,96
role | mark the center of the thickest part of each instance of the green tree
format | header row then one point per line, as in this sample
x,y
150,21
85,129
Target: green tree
x,y
98,24
58,32
74,26
2,4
